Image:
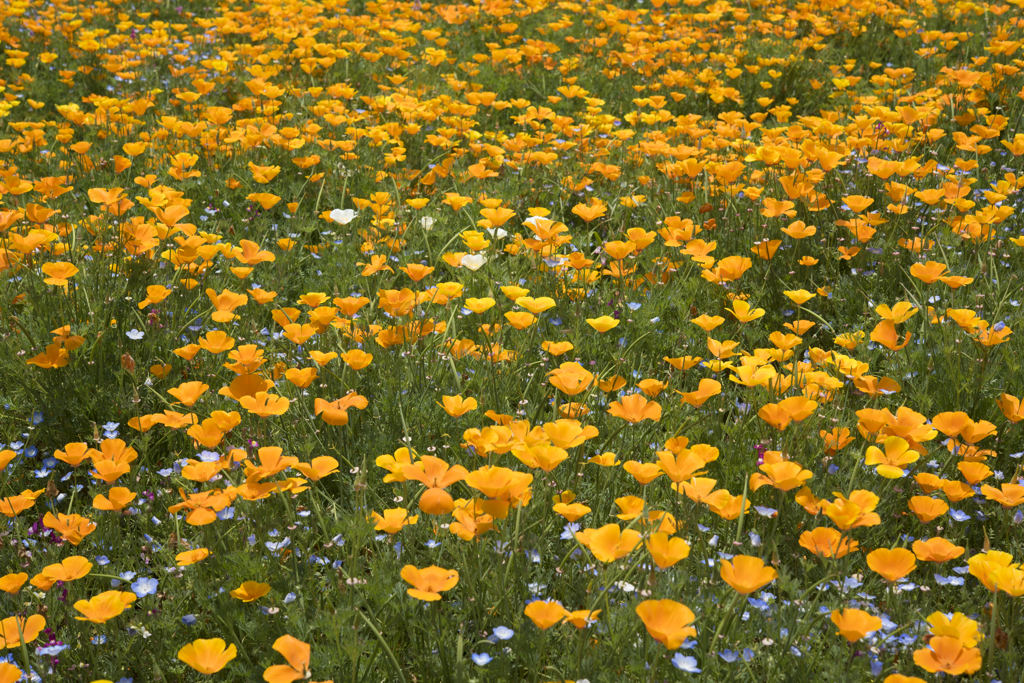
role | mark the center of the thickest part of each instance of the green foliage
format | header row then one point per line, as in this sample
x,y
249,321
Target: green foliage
x,y
393,121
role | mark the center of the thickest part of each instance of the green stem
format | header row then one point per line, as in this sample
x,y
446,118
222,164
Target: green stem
x,y
579,650
24,652
540,658
721,625
384,644
993,626
743,507
654,666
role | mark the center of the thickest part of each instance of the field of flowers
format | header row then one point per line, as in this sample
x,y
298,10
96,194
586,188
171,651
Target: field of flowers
x,y
511,340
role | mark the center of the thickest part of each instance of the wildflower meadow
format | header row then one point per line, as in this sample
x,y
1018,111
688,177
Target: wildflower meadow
x,y
511,340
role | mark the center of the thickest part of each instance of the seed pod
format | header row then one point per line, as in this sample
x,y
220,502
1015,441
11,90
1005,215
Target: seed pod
x,y
128,363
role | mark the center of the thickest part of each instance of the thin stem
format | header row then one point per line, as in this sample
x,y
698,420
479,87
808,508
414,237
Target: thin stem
x,y
993,627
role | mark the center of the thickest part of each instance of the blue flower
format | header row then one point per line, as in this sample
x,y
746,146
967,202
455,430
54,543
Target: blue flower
x,y
758,604
684,663
189,619
850,582
948,581
729,655
276,546
481,659
51,650
125,576
503,632
569,531
144,587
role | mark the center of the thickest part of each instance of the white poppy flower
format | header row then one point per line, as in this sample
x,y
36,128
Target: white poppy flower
x,y
473,261
343,216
